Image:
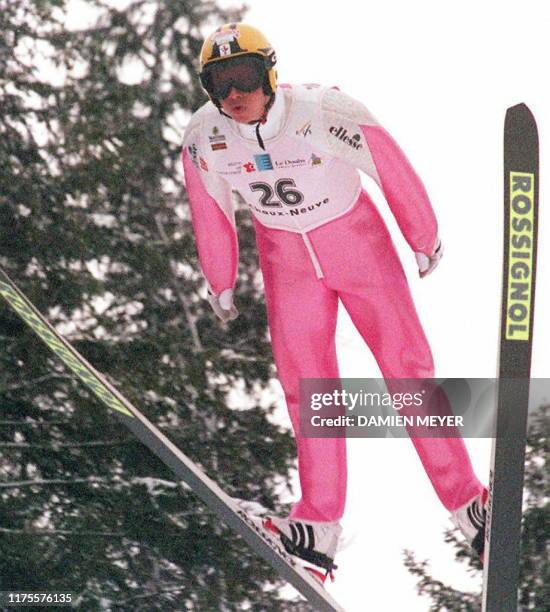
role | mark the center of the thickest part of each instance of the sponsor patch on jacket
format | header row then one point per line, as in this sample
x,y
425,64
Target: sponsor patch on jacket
x,y
299,162
193,153
352,140
217,140
305,130
263,162
234,167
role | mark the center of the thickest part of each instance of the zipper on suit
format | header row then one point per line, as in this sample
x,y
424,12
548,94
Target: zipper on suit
x,y
313,256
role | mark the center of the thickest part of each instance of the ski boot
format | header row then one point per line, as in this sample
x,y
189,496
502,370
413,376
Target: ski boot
x,y
312,541
470,519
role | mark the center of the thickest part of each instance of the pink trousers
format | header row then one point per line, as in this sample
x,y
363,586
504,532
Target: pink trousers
x,y
362,269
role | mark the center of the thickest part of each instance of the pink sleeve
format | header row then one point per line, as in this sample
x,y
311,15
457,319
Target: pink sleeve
x,y
215,234
403,190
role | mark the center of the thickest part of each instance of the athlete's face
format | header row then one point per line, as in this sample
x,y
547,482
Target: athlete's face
x,y
244,106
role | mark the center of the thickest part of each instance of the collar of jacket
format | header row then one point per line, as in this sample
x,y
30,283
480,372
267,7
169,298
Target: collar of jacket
x,y
273,124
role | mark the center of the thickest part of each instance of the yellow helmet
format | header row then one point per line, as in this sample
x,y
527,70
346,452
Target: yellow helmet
x,y
234,40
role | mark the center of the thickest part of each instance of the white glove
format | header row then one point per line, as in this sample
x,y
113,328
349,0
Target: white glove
x,y
223,305
427,264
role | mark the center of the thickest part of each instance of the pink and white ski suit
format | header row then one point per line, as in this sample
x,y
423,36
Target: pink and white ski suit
x,y
321,239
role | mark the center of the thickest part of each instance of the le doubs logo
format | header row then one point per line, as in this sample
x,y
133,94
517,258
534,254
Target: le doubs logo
x,y
343,135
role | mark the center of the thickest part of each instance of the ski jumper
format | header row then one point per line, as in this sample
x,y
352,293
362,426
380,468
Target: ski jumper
x,y
321,239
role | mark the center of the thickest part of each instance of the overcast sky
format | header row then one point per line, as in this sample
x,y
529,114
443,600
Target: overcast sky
x,y
439,76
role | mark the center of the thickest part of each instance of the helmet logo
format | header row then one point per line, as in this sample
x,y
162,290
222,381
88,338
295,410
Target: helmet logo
x,y
225,43
225,36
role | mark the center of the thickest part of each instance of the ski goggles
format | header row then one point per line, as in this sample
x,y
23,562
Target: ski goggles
x,y
245,73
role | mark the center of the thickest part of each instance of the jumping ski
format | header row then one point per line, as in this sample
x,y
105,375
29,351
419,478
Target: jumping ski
x,y
504,510
270,548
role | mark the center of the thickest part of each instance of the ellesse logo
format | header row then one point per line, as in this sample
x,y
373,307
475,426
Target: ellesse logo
x,y
343,135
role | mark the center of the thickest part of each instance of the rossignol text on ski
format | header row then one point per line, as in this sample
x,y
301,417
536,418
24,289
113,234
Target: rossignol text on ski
x,y
504,509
